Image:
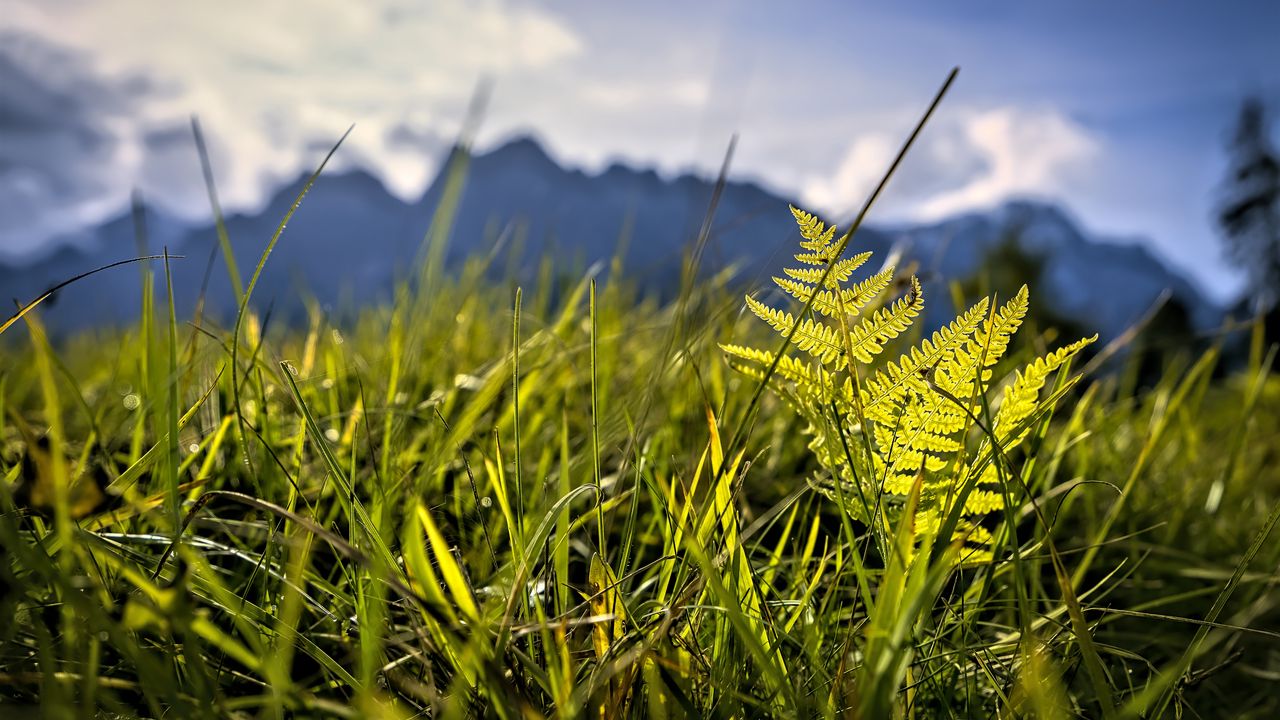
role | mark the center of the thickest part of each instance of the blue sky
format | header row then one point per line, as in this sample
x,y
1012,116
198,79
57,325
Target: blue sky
x,y
1119,110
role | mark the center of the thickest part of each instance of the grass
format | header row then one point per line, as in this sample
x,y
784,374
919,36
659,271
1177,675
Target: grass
x,y
559,501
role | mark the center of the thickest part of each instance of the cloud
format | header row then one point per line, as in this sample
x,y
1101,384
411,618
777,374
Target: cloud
x,y
95,99
1028,152
266,78
854,179
679,92
55,115
972,162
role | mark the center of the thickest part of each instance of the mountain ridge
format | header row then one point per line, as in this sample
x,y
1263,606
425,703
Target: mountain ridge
x,y
351,235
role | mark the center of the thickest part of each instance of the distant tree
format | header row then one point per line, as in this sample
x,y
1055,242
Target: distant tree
x,y
1249,216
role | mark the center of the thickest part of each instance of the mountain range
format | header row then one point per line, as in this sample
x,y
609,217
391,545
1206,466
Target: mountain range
x,y
351,239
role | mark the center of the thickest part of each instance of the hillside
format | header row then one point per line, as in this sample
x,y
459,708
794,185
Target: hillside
x,y
352,239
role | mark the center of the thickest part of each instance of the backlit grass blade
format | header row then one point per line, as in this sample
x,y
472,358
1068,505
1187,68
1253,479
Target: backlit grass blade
x,y
33,304
345,494
243,308
219,223
454,579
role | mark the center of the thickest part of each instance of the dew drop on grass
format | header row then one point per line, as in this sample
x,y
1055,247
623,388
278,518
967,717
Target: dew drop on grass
x,y
326,384
486,503
193,448
331,435
131,401
293,370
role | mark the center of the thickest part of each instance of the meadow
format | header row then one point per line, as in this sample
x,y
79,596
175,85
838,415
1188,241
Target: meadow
x,y
578,499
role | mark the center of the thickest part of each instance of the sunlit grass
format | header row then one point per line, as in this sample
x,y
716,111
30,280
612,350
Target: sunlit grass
x,y
385,539
558,500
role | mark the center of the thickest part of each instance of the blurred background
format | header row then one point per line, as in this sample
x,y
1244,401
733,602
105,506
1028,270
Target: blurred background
x,y
1108,142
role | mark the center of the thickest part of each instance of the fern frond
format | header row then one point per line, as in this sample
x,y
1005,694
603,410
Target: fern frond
x,y
928,413
813,337
898,484
975,540
801,291
777,319
1002,327
838,276
958,370
981,502
935,442
872,287
917,412
815,258
755,355
815,233
869,289
809,382
850,300
868,338
914,421
1020,398
912,459
886,389
958,373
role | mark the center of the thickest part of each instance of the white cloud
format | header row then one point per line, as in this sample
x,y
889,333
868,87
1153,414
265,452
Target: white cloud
x,y
682,92
269,77
855,178
1028,152
973,161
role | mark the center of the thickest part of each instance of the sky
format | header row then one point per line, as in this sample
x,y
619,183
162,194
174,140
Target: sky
x,y
1118,110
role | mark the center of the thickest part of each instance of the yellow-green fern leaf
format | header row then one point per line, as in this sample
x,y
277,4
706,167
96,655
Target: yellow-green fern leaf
x,y
982,502
813,337
868,338
990,475
809,381
815,258
816,234
756,355
1002,327
850,300
927,412
918,410
886,389
899,483
975,540
935,442
1020,399
986,347
864,292
956,371
825,303
820,341
839,274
